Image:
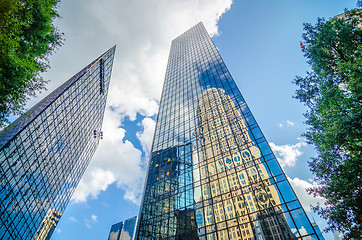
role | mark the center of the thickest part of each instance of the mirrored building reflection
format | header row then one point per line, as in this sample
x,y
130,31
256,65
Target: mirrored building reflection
x,y
44,153
48,225
212,174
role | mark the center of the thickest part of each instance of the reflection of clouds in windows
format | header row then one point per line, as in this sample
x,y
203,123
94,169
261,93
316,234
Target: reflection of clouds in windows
x,y
303,232
57,147
36,189
113,236
235,173
129,228
125,236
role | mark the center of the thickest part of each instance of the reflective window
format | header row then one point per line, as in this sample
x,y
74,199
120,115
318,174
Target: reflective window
x,y
208,148
44,152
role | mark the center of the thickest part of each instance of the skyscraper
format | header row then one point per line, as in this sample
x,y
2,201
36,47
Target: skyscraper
x,y
211,173
45,152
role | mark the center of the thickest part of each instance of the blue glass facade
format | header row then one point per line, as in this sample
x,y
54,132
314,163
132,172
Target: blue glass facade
x,y
115,232
318,231
212,174
44,153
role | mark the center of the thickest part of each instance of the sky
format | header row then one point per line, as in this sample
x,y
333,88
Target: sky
x,y
259,42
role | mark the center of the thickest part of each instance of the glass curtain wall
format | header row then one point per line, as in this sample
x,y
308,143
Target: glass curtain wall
x,y
211,174
44,153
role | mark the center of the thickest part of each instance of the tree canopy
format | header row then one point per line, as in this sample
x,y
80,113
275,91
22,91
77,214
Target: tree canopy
x,y
332,91
27,38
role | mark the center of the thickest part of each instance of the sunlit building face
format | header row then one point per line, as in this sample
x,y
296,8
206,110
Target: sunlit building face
x,y
212,174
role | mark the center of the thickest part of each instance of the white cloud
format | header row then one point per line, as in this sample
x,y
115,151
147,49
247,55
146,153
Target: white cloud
x,y
146,135
73,219
142,30
94,218
87,223
290,123
116,161
93,183
306,200
287,154
58,230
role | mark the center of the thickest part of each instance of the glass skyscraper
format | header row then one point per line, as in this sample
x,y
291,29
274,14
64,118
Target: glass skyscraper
x,y
211,174
44,153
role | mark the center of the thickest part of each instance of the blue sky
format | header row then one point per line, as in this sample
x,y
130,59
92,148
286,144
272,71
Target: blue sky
x,y
258,40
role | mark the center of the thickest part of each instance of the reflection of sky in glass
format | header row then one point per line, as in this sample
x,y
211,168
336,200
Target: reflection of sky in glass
x,y
44,152
58,146
115,231
226,184
128,229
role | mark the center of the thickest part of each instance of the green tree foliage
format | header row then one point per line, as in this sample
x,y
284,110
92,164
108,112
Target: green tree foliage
x,y
27,38
333,93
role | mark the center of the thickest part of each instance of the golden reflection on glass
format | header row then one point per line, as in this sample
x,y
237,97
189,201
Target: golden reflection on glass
x,y
239,196
48,225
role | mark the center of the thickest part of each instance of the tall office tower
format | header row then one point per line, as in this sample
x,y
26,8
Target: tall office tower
x,y
211,174
44,153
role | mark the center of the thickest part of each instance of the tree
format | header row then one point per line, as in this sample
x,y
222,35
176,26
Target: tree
x,y
27,38
332,91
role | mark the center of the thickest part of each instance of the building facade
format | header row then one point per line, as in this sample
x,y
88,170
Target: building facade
x,y
45,152
124,230
318,230
212,174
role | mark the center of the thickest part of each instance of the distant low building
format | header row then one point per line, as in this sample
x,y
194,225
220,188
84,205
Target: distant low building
x,y
124,230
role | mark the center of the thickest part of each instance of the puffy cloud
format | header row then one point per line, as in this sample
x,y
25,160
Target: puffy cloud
x,y
142,31
146,135
116,160
287,154
306,200
93,183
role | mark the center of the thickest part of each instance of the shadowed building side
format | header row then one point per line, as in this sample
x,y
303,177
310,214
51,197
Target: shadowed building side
x,y
45,152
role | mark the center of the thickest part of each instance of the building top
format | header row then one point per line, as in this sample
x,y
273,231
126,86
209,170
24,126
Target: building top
x,y
124,230
15,128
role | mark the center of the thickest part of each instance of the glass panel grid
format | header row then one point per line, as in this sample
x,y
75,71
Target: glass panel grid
x,y
44,153
211,173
